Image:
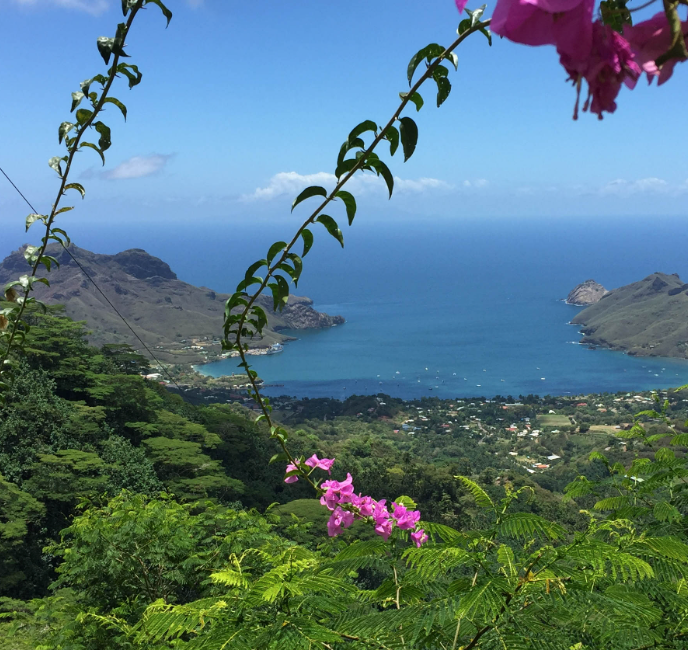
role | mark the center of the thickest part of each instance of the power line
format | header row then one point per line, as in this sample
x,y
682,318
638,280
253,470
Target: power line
x,y
95,284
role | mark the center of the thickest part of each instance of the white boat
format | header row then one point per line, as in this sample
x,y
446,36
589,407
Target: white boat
x,y
275,348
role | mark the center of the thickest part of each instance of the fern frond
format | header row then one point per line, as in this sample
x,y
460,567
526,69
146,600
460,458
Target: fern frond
x,y
521,525
432,561
481,497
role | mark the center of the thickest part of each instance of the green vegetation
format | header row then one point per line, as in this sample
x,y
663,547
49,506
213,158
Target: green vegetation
x,y
130,518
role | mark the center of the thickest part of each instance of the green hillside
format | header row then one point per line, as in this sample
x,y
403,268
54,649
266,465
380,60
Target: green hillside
x,y
646,318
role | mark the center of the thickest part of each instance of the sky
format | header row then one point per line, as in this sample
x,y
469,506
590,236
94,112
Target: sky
x,y
243,104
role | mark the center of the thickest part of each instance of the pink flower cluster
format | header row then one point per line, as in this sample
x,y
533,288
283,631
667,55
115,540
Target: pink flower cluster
x,y
588,50
341,493
313,462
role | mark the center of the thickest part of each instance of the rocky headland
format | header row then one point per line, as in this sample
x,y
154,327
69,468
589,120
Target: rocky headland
x,y
181,321
586,293
646,318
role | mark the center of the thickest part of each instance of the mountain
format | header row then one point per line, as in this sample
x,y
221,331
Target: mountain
x,y
646,318
586,293
166,313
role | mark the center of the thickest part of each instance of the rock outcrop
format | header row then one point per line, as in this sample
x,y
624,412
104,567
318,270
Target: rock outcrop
x,y
167,314
586,293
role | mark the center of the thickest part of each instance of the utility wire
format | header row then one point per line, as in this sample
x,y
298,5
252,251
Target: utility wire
x,y
83,270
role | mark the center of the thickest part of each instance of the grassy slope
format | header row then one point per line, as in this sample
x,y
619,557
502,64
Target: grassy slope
x,y
641,318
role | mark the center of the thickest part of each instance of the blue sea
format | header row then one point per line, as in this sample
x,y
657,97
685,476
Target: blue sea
x,y
437,308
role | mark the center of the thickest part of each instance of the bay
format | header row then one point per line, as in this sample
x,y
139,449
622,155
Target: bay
x,y
477,297
472,309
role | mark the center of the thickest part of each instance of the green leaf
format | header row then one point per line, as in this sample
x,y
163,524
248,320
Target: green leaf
x,y
63,233
345,166
54,162
105,46
63,130
415,98
280,292
254,267
307,237
347,146
464,26
118,43
409,136
453,59
82,115
405,501
313,190
363,127
331,227
349,202
76,100
382,170
86,85
104,142
615,14
90,145
165,11
134,76
298,267
392,134
476,14
428,52
274,249
32,218
119,104
443,85
664,511
78,187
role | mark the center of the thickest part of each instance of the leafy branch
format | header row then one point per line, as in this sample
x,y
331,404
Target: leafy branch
x,y
243,318
13,329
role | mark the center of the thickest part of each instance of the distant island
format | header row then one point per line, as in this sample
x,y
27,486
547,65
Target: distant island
x,y
180,321
646,318
586,293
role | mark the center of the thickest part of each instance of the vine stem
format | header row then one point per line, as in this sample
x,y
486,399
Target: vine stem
x,y
330,197
65,176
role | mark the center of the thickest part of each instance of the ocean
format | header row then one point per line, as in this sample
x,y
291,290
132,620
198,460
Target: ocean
x,y
436,308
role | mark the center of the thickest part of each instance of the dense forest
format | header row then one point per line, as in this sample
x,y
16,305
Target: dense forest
x,y
130,518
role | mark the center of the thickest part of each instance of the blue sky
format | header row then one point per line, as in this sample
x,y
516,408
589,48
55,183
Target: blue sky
x,y
244,103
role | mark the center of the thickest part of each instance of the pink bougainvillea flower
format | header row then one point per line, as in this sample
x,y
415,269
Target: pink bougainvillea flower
x,y
461,5
338,519
405,519
384,528
291,479
649,40
564,23
337,492
321,463
419,537
365,505
610,64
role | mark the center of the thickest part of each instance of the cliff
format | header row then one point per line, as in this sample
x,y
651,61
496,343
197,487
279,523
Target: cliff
x,y
646,318
586,293
166,313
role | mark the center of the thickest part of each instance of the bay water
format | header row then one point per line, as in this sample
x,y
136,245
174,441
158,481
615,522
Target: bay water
x,y
450,308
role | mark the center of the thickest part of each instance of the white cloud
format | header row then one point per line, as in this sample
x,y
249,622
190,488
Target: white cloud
x,y
289,183
478,183
137,167
93,7
621,187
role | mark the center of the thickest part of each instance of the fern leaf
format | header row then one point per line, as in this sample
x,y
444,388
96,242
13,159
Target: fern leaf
x,y
481,497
